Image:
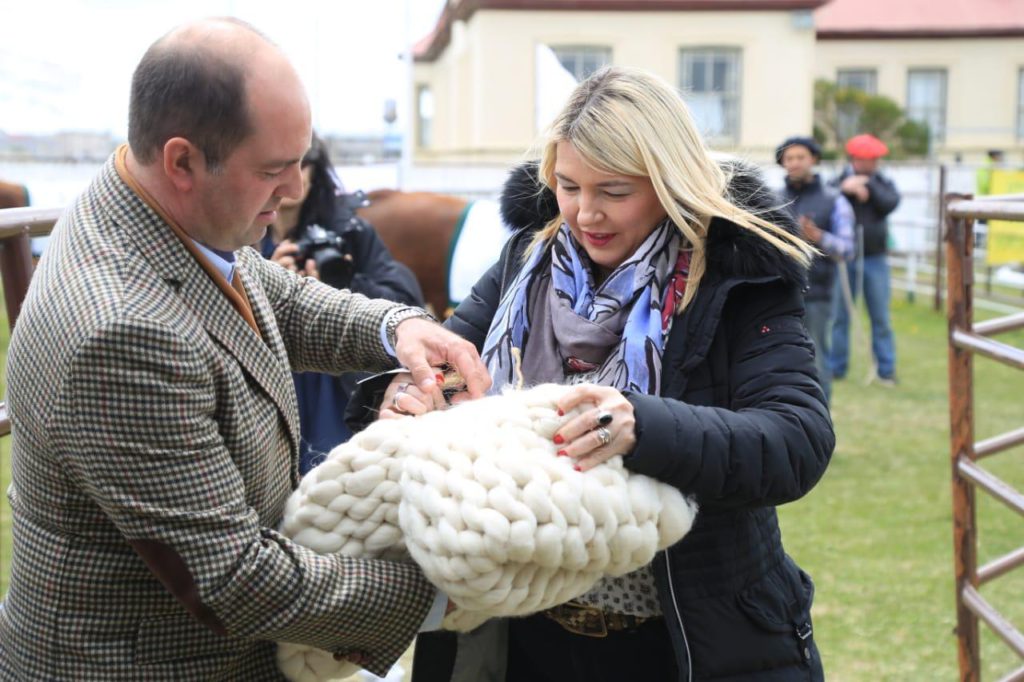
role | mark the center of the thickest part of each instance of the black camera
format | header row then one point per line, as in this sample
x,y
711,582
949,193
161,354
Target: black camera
x,y
327,250
328,247
348,204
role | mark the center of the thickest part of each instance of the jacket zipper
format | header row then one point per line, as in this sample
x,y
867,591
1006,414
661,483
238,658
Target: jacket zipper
x,y
679,617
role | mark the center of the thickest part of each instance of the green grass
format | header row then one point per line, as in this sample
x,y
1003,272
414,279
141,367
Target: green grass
x,y
876,533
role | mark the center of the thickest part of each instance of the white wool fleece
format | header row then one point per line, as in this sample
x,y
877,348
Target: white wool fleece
x,y
478,498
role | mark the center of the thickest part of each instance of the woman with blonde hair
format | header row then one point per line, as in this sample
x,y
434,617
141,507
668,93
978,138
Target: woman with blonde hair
x,y
666,286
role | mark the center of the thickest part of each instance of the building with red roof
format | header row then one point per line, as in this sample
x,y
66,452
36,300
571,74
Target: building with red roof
x,y
484,85
957,65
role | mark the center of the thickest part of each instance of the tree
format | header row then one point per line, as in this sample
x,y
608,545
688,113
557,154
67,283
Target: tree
x,y
841,113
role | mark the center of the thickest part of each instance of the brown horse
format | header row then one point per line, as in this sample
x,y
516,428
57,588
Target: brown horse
x,y
12,196
418,227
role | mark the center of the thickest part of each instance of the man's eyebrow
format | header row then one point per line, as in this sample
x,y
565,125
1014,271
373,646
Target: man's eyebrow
x,y
281,164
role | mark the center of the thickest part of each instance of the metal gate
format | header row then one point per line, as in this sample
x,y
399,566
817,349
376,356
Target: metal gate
x,y
17,225
965,340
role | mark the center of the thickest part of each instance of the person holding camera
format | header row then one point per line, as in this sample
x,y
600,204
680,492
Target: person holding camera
x,y
320,235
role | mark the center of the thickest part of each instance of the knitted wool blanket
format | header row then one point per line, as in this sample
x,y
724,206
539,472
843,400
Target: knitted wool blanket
x,y
477,497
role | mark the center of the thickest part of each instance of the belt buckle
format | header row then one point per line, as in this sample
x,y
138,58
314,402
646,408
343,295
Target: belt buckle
x,y
580,619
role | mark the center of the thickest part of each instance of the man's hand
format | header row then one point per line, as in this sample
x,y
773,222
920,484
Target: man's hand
x,y
422,345
856,186
286,254
810,231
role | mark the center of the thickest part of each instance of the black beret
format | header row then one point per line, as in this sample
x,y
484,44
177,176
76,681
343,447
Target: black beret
x,y
808,142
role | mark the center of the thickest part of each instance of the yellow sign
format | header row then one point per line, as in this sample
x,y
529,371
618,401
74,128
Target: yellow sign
x,y
1005,238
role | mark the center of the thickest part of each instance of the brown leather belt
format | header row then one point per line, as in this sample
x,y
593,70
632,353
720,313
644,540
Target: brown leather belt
x,y
591,621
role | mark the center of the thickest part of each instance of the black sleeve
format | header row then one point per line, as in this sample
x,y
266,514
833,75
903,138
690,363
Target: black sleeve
x,y
773,442
883,195
377,273
473,317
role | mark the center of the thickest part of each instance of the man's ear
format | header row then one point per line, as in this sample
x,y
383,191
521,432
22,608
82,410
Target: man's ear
x,y
181,160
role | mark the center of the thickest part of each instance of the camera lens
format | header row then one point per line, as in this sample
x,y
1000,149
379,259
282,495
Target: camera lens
x,y
334,269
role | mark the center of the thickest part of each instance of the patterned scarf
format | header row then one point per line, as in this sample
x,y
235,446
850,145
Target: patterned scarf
x,y
638,300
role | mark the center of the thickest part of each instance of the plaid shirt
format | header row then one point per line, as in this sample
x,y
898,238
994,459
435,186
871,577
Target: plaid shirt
x,y
147,414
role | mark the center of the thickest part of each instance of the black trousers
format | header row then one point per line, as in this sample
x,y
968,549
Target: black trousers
x,y
541,650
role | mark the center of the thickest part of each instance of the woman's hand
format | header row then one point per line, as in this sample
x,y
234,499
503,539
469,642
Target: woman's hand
x,y
601,431
403,398
286,255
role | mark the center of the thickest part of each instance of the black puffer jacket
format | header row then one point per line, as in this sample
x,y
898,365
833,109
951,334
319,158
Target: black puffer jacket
x,y
742,424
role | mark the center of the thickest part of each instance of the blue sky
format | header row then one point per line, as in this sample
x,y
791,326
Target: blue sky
x,y
67,64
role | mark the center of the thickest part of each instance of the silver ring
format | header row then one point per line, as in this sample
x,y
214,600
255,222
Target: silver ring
x,y
603,435
394,399
604,418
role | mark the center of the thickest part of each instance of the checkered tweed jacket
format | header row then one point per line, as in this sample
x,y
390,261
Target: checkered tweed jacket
x,y
155,441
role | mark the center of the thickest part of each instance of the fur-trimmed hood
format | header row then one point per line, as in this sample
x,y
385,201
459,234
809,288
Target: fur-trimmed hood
x,y
732,251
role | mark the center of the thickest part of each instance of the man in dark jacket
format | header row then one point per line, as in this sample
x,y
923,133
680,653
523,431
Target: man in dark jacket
x,y
874,197
826,220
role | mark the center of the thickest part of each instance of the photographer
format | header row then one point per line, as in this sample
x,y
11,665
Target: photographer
x,y
319,235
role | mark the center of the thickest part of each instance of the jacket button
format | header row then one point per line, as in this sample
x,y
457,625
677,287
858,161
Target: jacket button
x,y
807,653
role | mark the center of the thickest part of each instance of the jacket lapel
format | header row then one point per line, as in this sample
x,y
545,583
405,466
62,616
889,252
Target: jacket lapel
x,y
224,323
264,360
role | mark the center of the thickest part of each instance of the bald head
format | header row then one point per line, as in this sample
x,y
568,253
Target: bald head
x,y
193,83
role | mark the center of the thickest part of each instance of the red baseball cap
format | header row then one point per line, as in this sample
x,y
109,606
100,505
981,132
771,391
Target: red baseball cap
x,y
865,146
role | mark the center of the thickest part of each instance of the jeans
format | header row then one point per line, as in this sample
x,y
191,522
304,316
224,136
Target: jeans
x,y
818,320
876,295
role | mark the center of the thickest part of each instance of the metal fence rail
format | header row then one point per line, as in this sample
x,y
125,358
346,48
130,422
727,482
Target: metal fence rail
x,y
17,226
965,340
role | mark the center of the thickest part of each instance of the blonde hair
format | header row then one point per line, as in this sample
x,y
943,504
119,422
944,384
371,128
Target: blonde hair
x,y
628,122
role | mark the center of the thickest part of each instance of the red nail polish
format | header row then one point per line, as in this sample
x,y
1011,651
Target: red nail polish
x,y
576,467
562,453
439,378
558,439
561,413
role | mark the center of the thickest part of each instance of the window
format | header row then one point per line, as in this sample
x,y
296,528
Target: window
x,y
1020,104
848,116
710,80
865,80
424,116
926,100
582,60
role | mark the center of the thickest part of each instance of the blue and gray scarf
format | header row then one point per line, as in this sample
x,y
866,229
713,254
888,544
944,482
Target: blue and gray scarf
x,y
618,324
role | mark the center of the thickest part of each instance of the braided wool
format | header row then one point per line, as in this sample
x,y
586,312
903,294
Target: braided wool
x,y
478,498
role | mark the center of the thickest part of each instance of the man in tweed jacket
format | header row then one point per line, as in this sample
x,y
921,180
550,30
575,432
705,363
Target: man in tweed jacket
x,y
155,432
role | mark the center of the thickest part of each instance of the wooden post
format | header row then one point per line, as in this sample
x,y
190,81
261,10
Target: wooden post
x,y
959,259
16,269
940,229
